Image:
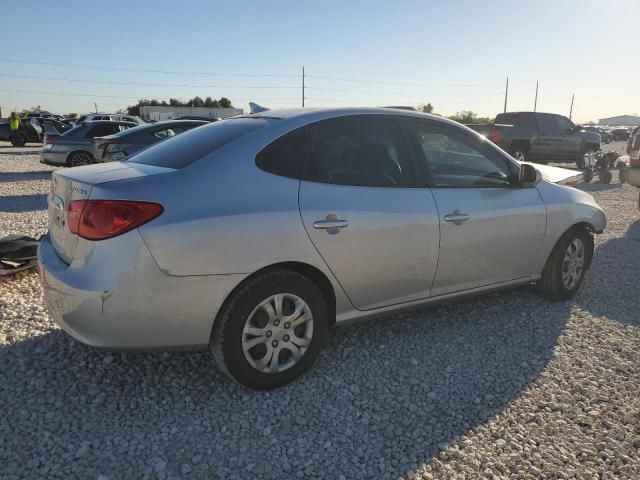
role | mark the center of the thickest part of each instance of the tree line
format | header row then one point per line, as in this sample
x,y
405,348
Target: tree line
x,y
208,102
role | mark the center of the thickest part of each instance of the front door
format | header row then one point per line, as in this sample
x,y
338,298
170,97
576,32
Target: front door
x,y
490,230
375,230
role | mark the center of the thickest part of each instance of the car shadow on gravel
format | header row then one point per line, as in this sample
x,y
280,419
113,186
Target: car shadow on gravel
x,y
25,176
23,203
615,269
598,187
385,396
19,153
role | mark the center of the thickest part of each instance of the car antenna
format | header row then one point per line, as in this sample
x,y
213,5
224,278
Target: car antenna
x,y
255,108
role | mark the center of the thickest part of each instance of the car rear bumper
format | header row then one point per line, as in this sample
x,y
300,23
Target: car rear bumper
x,y
633,177
121,301
54,158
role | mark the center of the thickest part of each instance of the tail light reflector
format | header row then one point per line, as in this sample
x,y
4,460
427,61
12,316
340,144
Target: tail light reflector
x,y
102,219
494,135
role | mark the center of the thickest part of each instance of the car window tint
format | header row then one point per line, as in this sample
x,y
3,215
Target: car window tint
x,y
198,142
458,159
564,124
363,150
547,124
100,131
284,156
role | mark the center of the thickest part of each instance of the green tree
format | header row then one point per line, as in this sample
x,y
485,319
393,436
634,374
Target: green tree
x,y
428,108
225,103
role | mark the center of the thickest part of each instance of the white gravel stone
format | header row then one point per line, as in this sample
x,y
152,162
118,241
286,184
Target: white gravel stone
x,y
505,385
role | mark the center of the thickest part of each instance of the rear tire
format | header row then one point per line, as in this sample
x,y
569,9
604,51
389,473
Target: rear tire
x,y
80,159
519,153
623,173
255,345
18,140
565,269
605,176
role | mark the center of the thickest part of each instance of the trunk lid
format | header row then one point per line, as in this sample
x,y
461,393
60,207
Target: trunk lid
x,y
76,184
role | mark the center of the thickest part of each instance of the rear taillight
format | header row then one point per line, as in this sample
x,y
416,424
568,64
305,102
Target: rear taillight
x,y
102,219
494,135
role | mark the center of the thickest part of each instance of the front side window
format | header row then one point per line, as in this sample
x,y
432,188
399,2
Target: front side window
x,y
564,124
457,159
363,150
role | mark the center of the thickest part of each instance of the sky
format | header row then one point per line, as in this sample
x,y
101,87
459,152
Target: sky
x,y
454,54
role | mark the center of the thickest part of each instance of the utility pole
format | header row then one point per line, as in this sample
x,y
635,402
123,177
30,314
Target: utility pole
x,y
535,102
96,105
303,87
506,94
573,95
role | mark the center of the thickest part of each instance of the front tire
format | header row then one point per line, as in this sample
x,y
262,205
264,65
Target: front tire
x,y
18,140
565,269
605,176
519,153
270,331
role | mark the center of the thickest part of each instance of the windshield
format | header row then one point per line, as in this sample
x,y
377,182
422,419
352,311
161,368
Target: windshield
x,y
186,148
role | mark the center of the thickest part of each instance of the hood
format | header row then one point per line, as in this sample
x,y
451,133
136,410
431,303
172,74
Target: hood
x,y
557,174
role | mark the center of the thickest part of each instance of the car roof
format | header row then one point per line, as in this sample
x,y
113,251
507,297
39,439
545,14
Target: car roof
x,y
308,115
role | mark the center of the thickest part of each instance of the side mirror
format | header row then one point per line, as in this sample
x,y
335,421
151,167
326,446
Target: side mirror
x,y
528,175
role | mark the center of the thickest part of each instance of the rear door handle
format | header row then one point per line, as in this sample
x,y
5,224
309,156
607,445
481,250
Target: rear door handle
x,y
457,217
325,224
332,224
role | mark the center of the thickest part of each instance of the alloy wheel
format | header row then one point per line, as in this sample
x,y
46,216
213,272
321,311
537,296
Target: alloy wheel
x,y
277,333
80,159
519,155
573,264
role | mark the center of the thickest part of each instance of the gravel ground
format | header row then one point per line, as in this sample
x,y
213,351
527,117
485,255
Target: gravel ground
x,y
505,385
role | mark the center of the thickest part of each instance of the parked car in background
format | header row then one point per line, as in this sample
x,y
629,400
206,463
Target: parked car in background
x,y
618,134
254,235
112,117
30,131
198,117
605,136
543,137
633,172
75,147
123,144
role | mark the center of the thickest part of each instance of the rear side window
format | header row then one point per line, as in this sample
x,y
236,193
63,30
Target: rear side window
x,y
100,131
547,124
367,151
284,156
517,119
191,146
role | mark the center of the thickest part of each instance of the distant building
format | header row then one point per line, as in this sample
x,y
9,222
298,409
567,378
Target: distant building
x,y
167,112
626,120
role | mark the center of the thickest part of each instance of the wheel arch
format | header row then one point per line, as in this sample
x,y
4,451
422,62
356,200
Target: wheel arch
x,y
306,270
71,154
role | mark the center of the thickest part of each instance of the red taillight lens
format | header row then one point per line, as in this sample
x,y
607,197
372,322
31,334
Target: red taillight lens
x,y
102,219
494,136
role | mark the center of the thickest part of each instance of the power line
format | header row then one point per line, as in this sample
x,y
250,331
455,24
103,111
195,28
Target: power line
x,y
458,94
141,70
111,82
342,79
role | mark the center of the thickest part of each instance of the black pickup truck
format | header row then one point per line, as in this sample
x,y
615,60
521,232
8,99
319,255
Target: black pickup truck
x,y
542,137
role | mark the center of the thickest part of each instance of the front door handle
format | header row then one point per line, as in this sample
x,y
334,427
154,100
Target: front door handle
x,y
332,224
457,217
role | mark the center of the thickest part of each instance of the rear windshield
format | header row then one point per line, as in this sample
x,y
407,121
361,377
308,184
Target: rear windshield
x,y
186,148
519,119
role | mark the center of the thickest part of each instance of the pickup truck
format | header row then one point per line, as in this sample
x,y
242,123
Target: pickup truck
x,y
542,137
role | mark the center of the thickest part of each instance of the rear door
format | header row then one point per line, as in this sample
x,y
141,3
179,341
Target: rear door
x,y
550,140
490,230
376,231
571,140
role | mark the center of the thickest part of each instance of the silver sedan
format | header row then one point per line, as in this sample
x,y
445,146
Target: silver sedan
x,y
254,236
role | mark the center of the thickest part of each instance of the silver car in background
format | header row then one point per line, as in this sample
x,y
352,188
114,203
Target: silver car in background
x,y
253,236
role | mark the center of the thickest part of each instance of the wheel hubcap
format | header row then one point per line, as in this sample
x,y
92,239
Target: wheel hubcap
x,y
277,333
519,156
573,264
